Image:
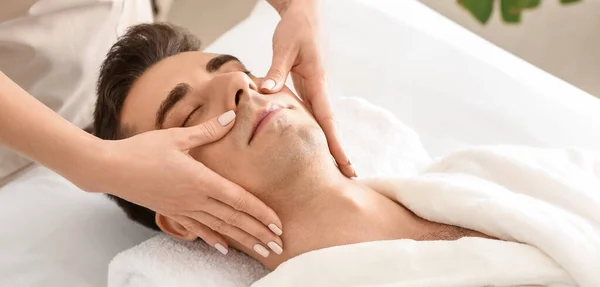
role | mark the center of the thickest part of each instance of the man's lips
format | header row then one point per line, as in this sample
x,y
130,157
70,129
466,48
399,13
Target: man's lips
x,y
262,117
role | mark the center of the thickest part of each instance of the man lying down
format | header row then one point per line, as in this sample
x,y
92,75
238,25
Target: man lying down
x,y
278,152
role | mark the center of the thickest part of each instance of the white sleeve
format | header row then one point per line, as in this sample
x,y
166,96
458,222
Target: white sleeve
x,y
53,49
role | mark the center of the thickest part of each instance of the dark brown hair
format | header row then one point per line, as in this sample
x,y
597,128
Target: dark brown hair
x,y
135,52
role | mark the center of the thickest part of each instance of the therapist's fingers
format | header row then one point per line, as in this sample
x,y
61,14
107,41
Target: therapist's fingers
x,y
248,210
315,93
248,224
299,87
209,236
241,200
233,232
204,133
283,59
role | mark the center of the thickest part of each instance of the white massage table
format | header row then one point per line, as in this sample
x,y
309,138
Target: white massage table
x,y
452,87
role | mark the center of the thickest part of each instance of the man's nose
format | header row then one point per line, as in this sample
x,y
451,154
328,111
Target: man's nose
x,y
239,90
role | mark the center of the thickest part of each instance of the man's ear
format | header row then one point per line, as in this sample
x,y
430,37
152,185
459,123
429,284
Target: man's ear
x,y
173,228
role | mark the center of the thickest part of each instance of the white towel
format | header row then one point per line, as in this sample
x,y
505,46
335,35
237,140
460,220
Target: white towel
x,y
163,261
546,199
167,261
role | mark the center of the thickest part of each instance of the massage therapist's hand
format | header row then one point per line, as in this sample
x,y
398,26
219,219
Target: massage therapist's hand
x,y
154,169
296,49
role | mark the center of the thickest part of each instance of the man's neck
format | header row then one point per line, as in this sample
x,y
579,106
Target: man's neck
x,y
317,207
322,208
308,190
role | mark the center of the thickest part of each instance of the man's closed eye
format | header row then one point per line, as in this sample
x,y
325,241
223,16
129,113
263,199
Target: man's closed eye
x,y
190,115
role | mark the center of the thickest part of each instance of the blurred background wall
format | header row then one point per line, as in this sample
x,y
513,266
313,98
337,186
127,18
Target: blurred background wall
x,y
560,38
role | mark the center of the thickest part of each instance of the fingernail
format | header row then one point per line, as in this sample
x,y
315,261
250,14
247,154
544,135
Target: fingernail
x,y
268,85
275,229
221,248
275,247
261,250
226,118
352,168
348,171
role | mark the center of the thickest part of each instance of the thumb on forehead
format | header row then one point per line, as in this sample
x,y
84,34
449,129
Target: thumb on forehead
x,y
206,132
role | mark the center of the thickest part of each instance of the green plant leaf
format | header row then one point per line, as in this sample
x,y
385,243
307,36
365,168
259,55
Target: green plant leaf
x,y
511,9
527,4
481,9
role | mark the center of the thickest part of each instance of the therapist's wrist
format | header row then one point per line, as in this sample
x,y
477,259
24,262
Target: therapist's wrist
x,y
91,165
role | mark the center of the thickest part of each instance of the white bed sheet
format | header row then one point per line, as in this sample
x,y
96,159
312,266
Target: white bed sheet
x,y
452,87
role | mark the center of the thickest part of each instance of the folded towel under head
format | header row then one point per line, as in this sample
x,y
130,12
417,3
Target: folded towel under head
x,y
167,261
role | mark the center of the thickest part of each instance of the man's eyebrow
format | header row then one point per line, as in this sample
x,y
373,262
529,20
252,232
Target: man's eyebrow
x,y
175,95
215,63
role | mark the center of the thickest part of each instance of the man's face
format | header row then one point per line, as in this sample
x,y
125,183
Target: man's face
x,y
273,136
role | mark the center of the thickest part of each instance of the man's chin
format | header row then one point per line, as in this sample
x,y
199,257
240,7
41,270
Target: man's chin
x,y
294,146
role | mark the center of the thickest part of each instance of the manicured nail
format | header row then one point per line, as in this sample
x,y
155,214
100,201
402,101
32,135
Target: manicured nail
x,y
261,250
348,171
268,85
221,248
275,247
352,168
226,118
275,229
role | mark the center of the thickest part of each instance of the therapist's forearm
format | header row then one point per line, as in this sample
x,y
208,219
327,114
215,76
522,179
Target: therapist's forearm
x,y
32,129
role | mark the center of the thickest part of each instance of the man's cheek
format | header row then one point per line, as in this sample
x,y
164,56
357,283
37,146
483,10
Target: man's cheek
x,y
206,155
224,161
